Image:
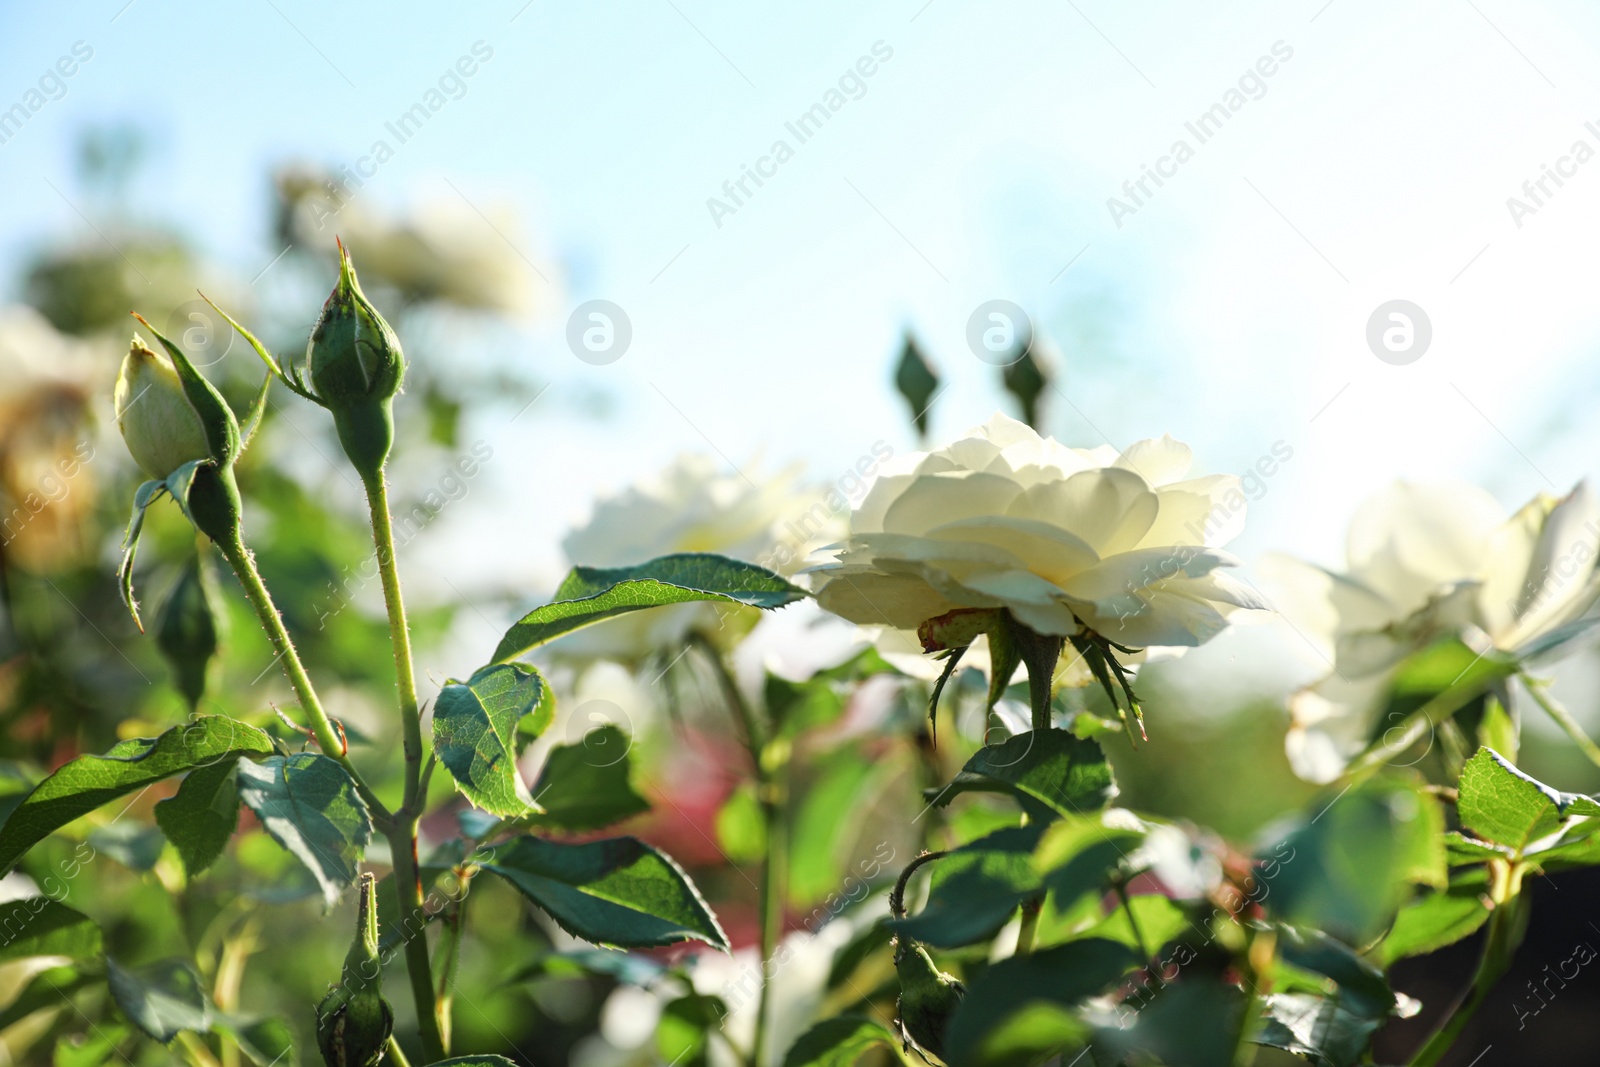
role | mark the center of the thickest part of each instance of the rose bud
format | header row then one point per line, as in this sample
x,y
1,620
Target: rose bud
x,y
159,423
354,1021
356,369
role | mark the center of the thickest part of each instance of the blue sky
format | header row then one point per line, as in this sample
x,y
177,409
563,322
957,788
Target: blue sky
x,y
1229,309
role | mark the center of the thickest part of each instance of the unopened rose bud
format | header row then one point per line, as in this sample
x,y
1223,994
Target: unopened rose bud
x,y
354,1021
159,423
356,369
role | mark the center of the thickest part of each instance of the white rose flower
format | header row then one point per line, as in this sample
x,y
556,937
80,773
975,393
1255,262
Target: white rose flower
x,y
694,505
1425,562
1068,540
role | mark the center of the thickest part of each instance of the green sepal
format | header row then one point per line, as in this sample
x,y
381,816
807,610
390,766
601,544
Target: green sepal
x,y
216,417
292,378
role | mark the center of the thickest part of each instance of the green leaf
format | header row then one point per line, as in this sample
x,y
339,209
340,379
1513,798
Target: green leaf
x,y
1018,1012
1158,919
1502,804
82,785
1347,868
1428,688
189,627
590,594
475,733
839,1042
136,847
92,1050
1051,771
266,1040
683,1032
1433,921
51,988
916,380
39,926
162,999
1192,1023
309,805
1317,1026
741,833
479,1061
581,791
619,891
201,817
821,841
976,889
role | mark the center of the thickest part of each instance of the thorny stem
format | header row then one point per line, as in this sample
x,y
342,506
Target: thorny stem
x,y
1563,717
774,859
897,896
403,834
332,743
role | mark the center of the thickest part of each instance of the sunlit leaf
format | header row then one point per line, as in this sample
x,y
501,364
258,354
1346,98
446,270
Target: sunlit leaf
x,y
82,785
1018,1012
590,594
838,1042
475,733
1433,921
1050,770
309,805
202,816
39,926
1502,804
619,891
976,889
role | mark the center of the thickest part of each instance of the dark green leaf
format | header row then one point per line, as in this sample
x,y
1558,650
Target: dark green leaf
x,y
629,968
82,785
1079,855
1317,1026
579,790
1347,868
1433,921
39,926
309,805
976,889
1065,775
136,847
916,380
1194,1022
619,891
203,814
590,594
838,1042
1156,920
1502,804
161,999
475,733
1427,689
1018,1012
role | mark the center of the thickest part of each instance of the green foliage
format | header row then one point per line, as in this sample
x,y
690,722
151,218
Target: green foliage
x,y
39,926
1501,804
475,728
1047,771
917,381
87,782
618,891
578,791
201,817
590,594
1348,866
161,999
310,806
1021,1010
189,630
838,1042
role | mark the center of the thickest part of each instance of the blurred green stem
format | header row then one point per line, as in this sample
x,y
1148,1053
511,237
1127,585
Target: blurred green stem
x,y
768,761
403,833
1536,689
1029,926
1505,933
395,1055
331,741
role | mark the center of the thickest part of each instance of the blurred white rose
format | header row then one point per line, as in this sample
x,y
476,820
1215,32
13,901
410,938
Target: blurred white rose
x,y
1066,539
442,250
694,505
1425,562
